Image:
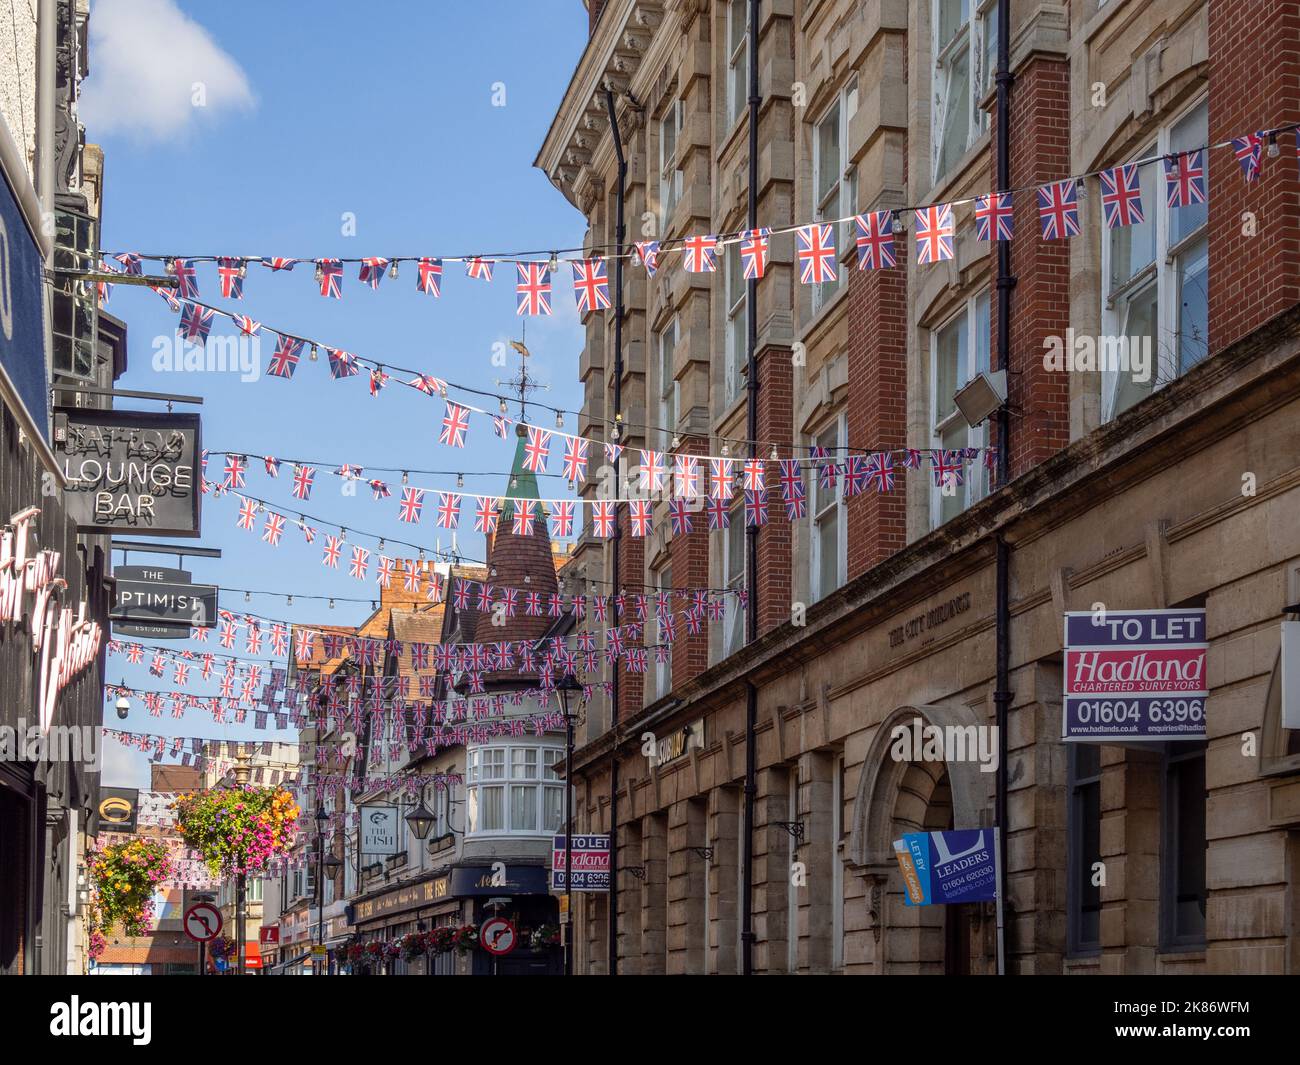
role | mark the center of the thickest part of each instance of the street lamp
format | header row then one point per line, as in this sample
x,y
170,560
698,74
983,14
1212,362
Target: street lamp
x,y
419,819
566,687
322,818
241,772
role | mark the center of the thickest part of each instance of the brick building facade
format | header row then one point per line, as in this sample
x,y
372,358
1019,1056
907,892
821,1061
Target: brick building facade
x,y
1180,490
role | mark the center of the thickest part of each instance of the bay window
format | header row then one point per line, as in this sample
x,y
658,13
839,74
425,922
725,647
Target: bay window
x,y
512,789
958,351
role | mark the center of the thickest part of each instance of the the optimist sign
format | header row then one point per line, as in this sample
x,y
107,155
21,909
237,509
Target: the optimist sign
x,y
1136,675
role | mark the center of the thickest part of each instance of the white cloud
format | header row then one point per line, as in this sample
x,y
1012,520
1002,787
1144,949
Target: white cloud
x,y
149,64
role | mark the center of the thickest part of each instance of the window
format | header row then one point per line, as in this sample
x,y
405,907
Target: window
x,y
513,790
737,59
670,178
1182,881
665,344
1155,306
75,317
792,891
835,180
964,52
663,671
827,519
737,341
1084,894
958,350
734,561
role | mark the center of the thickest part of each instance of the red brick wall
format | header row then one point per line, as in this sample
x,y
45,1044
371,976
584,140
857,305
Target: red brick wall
x,y
631,576
775,424
690,559
877,405
1040,302
1254,56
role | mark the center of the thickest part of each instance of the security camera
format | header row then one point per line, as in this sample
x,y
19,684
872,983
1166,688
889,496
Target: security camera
x,y
123,707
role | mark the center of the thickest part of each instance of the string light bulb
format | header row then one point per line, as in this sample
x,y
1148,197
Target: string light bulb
x,y
315,352
243,267
503,406
381,543
406,477
554,264
677,442
514,482
288,600
559,419
726,449
460,480
248,597
320,272
1274,149
392,270
774,457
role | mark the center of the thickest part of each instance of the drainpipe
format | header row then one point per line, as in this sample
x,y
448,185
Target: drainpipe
x,y
620,234
1006,281
751,534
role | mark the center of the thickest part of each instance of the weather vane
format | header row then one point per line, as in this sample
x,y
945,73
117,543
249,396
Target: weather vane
x,y
522,384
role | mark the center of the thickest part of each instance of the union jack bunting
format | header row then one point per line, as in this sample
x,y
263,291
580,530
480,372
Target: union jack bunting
x,y
575,459
304,640
652,471
816,246
430,386
934,233
679,513
828,473
411,505
648,252
428,278
274,263
131,264
755,508
479,269
455,421
600,606
880,470
993,216
562,518
435,589
509,601
247,326
532,289
187,284
378,379
591,285
379,489
284,359
855,475
754,475
947,467
722,479
302,481
460,600
793,493
700,254
537,450
230,272
359,564
195,323
875,240
411,582
1058,209
602,518
719,514
384,572
272,465
1185,178
1248,150
247,514
167,296
273,530
1121,196
686,476
485,597
639,515
333,548
342,364
754,249
330,272
499,423
486,515
523,518
448,510
372,271
533,604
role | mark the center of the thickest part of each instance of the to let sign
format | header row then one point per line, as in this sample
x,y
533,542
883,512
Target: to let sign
x,y
1134,676
590,863
130,471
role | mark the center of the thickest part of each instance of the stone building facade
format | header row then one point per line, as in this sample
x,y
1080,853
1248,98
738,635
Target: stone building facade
x,y
878,610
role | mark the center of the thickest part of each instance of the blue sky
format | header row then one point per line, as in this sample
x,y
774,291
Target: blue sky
x,y
314,112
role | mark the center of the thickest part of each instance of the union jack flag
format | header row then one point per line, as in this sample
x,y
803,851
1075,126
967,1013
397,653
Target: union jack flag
x,y
602,518
284,359
130,261
934,232
754,475
195,323
342,364
333,547
275,263
855,475
430,386
372,271
428,278
816,245
411,582
1121,196
755,508
600,606
639,515
719,514
499,423
524,518
485,597
273,529
1058,209
330,272
723,480
454,423
1248,150
947,467
875,240
411,505
479,269
230,272
533,604
247,514
575,459
434,593
537,450
379,488
754,251
302,481
562,519
359,564
509,601
486,515
793,493
460,599
652,471
591,285
648,252
880,470
378,379
679,513
187,285
532,289
272,465
1185,178
448,510
993,216
700,254
246,325
384,574
686,476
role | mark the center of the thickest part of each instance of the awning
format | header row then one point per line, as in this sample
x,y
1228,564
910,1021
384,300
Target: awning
x,y
297,959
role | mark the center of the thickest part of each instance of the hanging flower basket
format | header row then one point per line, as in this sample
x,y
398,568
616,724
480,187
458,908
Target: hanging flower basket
x,y
124,879
237,830
440,939
465,938
547,935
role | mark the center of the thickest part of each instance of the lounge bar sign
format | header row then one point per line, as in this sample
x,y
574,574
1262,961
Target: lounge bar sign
x,y
130,471
1134,676
158,601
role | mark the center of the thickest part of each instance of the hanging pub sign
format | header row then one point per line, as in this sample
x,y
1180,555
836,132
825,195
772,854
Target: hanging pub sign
x,y
948,867
130,471
590,863
1134,676
378,830
158,601
118,809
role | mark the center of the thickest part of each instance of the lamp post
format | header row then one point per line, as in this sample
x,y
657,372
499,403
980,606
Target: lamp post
x,y
322,819
567,686
241,771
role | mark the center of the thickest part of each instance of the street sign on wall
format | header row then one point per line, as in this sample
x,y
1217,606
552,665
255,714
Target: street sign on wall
x,y
590,863
1134,676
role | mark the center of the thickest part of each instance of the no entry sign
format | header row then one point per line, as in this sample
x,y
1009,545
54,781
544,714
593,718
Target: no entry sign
x,y
202,922
498,936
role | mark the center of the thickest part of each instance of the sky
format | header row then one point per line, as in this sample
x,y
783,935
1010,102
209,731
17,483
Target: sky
x,y
330,129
